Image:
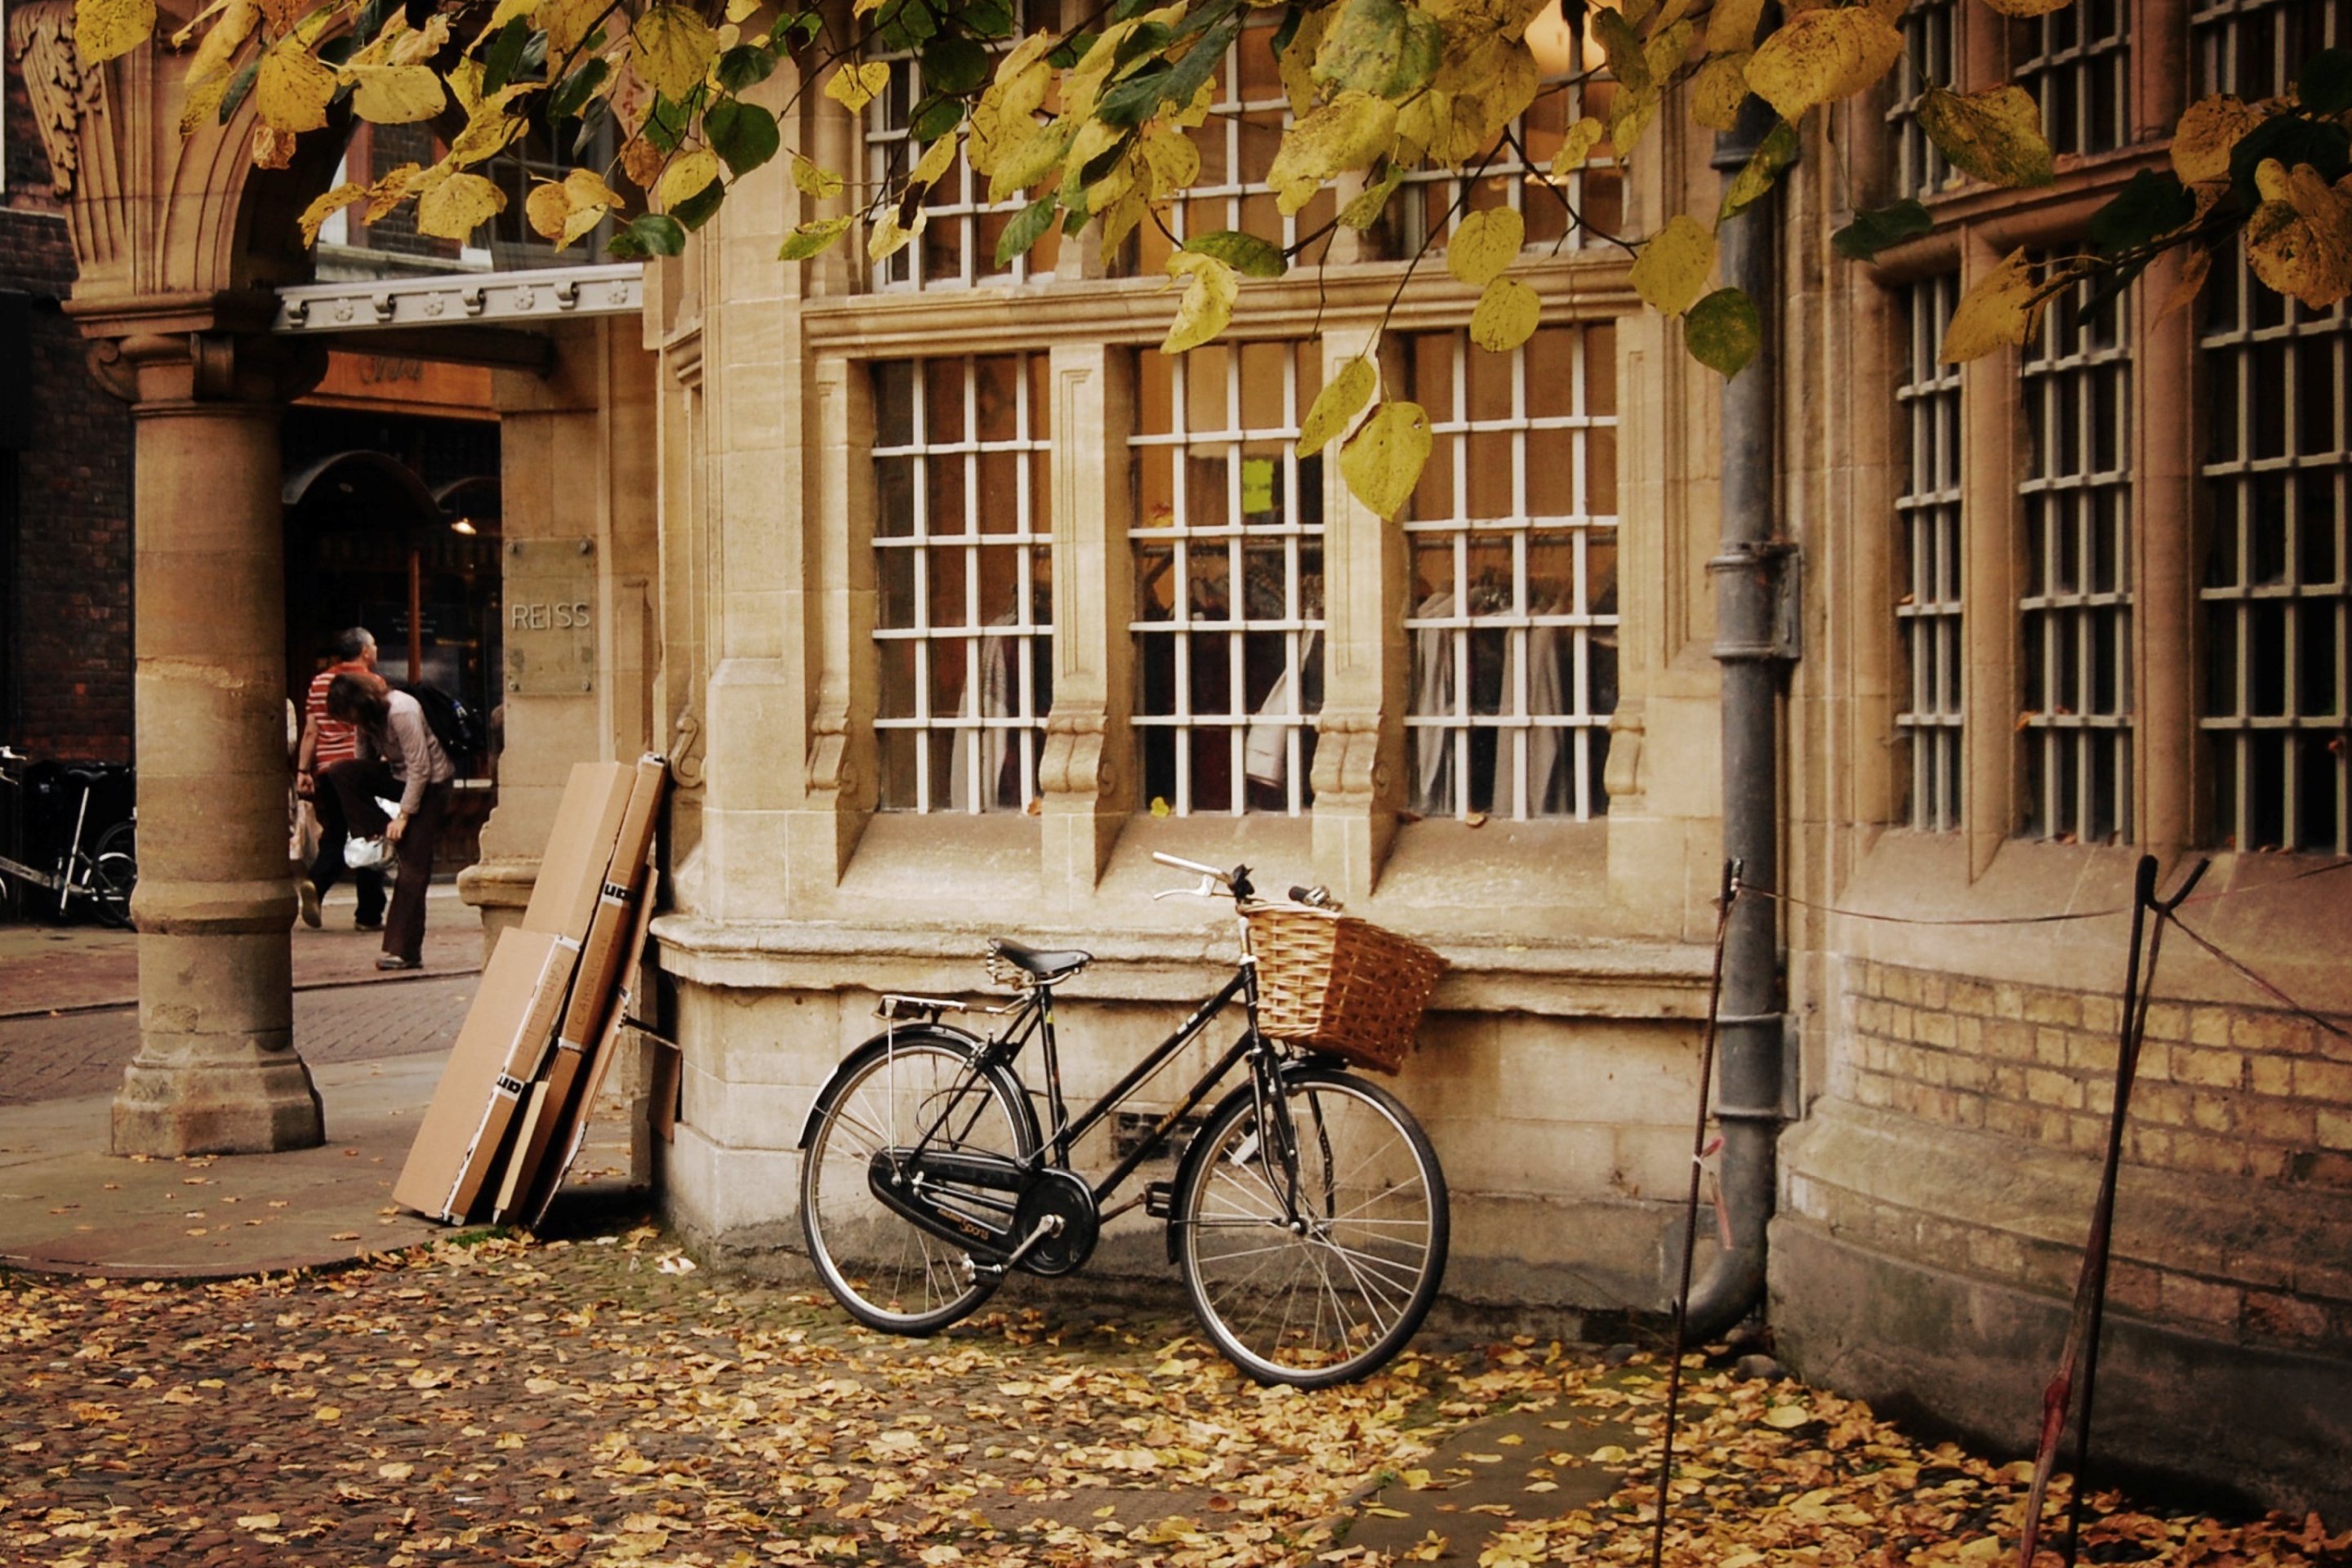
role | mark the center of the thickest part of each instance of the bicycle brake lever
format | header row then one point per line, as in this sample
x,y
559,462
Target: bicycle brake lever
x,y
1207,889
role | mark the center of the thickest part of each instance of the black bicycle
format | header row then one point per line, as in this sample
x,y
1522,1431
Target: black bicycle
x,y
1308,1216
101,875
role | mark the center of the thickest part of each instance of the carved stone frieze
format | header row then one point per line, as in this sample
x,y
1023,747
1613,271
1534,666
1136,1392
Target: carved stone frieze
x,y
163,368
41,42
1073,762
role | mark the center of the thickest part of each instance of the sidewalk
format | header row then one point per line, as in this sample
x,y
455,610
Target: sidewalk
x,y
375,1044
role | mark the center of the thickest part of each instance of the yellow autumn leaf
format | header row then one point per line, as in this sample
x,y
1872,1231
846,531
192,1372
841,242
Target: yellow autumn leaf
x,y
2001,309
688,175
1995,135
566,23
2300,241
888,238
2208,131
318,212
1343,136
1820,56
489,128
1483,244
1383,463
587,188
1719,88
854,85
390,190
106,29
1576,147
1122,220
1037,156
1336,406
292,91
397,95
1172,160
456,207
674,49
1210,288
1731,25
547,209
1784,1417
813,180
2193,273
211,71
1673,269
1507,315
938,158
1630,114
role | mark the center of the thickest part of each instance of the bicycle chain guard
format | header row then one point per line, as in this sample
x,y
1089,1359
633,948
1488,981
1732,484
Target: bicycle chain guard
x,y
1057,1195
953,1194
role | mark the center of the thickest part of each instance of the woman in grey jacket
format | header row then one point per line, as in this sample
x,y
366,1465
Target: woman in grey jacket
x,y
399,757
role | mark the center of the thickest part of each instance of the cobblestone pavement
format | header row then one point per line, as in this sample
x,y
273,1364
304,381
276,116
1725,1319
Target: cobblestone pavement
x,y
592,1398
53,1057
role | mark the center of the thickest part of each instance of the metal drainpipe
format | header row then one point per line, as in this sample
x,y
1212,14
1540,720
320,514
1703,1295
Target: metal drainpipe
x,y
1747,571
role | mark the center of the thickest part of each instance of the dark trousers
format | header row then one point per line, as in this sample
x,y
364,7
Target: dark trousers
x,y
358,785
327,869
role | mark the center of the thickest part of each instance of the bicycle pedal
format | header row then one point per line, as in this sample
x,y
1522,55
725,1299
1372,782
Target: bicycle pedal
x,y
1159,1199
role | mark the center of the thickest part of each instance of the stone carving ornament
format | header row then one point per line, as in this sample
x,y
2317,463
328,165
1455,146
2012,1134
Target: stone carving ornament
x,y
41,38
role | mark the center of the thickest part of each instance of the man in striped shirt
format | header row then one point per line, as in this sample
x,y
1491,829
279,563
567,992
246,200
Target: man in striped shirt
x,y
327,740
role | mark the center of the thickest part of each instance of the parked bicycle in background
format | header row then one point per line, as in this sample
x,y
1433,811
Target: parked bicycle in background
x,y
69,840
1307,1218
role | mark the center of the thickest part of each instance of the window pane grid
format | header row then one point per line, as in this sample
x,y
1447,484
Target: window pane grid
x,y
1428,198
1921,168
2075,613
964,611
1928,543
1237,143
1229,579
2256,48
2277,617
1513,534
2077,63
957,245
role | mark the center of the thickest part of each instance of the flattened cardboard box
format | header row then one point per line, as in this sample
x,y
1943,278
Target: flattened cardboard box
x,y
521,989
580,850
599,1060
550,1119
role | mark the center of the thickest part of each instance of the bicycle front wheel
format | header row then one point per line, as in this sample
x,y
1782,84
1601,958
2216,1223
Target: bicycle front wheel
x,y
890,1273
1319,1274
114,874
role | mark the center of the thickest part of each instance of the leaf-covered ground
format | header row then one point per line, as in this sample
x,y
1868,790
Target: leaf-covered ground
x,y
601,1402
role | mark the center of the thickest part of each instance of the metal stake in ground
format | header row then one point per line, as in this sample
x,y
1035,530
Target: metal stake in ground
x,y
2081,1347
1731,871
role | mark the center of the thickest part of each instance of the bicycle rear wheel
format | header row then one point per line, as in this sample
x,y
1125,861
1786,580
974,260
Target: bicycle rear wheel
x,y
1332,1293
114,874
890,1273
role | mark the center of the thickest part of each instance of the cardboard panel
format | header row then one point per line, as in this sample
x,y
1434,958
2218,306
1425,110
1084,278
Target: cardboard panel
x,y
511,990
573,1129
528,1050
580,850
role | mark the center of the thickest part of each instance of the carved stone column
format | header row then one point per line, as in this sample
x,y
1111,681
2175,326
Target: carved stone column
x,y
216,1070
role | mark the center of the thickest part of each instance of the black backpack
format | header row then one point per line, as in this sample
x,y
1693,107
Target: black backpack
x,y
452,724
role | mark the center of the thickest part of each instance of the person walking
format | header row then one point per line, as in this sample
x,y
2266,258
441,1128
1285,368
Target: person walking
x,y
325,742
398,756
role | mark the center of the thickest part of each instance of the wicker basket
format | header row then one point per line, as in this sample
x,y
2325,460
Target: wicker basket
x,y
1333,983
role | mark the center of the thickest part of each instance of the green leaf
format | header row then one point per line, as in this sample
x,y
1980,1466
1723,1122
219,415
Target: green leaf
x,y
572,95
954,64
666,124
238,85
744,66
1244,252
649,234
1383,463
1756,177
2151,206
2324,87
1380,47
504,54
1336,406
745,134
1874,230
935,118
698,208
1138,99
1027,227
813,238
1724,331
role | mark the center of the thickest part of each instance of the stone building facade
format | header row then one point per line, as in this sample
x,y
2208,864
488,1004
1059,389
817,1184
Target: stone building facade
x,y
951,600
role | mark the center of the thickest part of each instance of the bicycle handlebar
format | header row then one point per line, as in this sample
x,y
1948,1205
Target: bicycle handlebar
x,y
1183,865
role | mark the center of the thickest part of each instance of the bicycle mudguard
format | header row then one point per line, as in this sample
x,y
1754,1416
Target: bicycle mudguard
x,y
907,1034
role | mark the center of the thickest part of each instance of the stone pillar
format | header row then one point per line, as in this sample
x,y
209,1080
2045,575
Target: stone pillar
x,y
216,1071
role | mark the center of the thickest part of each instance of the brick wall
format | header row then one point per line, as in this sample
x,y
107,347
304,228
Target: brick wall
x,y
65,690
2221,1091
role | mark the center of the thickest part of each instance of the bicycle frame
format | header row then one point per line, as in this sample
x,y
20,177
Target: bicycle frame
x,y
1032,1017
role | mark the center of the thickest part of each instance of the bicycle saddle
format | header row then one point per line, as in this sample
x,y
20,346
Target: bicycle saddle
x,y
1040,965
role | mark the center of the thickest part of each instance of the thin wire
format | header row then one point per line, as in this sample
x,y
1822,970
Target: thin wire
x,y
2248,976
1794,902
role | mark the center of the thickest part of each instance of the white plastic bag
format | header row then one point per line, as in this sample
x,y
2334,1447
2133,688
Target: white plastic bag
x,y
367,854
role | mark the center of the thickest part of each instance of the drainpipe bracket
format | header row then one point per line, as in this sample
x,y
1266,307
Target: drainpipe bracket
x,y
1779,562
